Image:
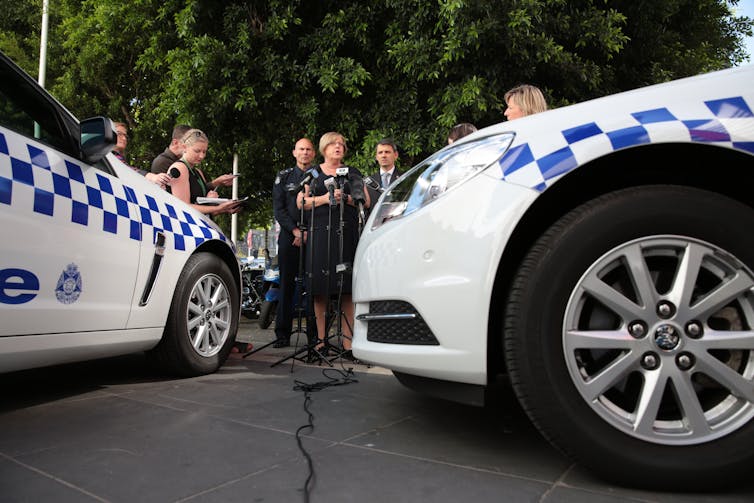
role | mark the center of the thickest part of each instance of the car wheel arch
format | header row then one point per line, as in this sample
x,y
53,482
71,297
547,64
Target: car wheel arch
x,y
684,164
226,255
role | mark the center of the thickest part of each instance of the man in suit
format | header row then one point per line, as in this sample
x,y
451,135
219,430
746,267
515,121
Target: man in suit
x,y
386,154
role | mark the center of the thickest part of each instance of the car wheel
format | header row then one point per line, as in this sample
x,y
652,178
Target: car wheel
x,y
267,313
628,337
203,319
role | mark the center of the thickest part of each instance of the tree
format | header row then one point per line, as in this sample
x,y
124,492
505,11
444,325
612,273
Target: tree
x,y
670,39
256,75
20,30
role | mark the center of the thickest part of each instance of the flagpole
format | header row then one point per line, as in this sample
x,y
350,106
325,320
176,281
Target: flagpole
x,y
42,55
234,216
43,43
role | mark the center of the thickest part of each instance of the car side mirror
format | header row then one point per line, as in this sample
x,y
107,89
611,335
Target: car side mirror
x,y
97,138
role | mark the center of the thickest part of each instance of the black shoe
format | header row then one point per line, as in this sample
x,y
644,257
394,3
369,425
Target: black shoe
x,y
281,343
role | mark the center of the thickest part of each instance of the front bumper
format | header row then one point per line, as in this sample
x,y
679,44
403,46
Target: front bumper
x,y
439,264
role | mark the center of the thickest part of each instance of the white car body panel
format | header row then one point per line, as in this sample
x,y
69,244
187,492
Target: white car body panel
x,y
442,258
87,238
697,109
53,349
33,244
426,261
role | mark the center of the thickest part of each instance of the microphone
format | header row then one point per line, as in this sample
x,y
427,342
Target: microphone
x,y
343,171
174,173
311,174
373,184
331,184
357,191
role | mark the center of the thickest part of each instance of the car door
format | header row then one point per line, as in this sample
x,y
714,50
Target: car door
x,y
69,253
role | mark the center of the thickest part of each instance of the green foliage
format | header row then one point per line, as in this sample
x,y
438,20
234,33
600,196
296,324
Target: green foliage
x,y
257,75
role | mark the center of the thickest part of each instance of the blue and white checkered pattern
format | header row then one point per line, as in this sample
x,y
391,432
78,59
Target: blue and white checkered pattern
x,y
538,167
29,182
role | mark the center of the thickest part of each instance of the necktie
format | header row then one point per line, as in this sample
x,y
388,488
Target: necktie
x,y
385,180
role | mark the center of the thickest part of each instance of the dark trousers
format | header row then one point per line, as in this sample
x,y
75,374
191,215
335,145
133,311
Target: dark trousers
x,y
288,262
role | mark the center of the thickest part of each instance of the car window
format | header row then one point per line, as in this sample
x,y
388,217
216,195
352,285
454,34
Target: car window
x,y
16,116
27,111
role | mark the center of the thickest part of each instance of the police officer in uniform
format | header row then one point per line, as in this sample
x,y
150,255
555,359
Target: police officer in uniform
x,y
291,239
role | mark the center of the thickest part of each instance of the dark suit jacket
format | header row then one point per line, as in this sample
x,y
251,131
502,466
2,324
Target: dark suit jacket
x,y
375,194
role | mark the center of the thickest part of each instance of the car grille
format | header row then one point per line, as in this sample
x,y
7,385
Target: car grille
x,y
401,331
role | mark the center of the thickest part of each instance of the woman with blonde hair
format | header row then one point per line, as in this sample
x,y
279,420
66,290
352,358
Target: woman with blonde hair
x,y
325,279
191,183
524,100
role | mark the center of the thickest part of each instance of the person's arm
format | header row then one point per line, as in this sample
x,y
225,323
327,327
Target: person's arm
x,y
310,201
161,179
181,186
279,206
226,207
225,180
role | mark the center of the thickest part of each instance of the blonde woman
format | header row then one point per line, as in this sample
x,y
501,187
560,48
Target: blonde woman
x,y
192,183
325,280
524,100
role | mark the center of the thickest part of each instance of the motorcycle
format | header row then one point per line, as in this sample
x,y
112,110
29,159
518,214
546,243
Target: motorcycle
x,y
252,291
269,304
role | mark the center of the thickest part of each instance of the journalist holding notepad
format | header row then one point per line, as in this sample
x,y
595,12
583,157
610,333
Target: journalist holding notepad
x,y
191,182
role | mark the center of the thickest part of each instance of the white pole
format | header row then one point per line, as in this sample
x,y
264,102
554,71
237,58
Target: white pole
x,y
234,217
43,43
42,55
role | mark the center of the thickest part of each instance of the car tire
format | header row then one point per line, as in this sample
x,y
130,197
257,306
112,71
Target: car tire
x,y
267,313
628,337
203,320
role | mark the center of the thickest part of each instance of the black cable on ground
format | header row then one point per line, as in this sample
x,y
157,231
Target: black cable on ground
x,y
307,388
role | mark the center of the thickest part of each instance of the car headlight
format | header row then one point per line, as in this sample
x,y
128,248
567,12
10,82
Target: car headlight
x,y
438,174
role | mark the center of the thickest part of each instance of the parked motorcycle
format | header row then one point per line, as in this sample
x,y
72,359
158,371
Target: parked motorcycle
x,y
252,291
269,305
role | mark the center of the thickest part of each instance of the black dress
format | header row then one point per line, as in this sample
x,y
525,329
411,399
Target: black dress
x,y
322,283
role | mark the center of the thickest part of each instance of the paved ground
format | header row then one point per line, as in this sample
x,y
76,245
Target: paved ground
x,y
115,431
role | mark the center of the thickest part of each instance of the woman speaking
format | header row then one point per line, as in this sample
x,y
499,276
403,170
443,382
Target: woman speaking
x,y
336,183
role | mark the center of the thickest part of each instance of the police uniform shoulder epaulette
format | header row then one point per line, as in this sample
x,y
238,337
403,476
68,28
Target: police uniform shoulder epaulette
x,y
282,173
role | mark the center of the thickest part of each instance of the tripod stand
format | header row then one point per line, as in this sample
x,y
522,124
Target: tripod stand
x,y
329,310
301,309
342,319
310,349
341,268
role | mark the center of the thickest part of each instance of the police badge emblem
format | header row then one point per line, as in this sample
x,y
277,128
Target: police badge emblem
x,y
68,288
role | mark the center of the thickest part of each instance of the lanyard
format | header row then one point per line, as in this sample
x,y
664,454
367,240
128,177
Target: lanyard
x,y
197,175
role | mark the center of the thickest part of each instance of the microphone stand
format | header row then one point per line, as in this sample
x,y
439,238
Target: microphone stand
x,y
300,308
341,269
328,318
313,354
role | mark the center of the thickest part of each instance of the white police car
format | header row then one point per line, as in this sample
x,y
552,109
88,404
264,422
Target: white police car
x,y
96,261
607,269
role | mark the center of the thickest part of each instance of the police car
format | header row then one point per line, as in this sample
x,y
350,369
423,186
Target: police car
x,y
96,261
600,257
